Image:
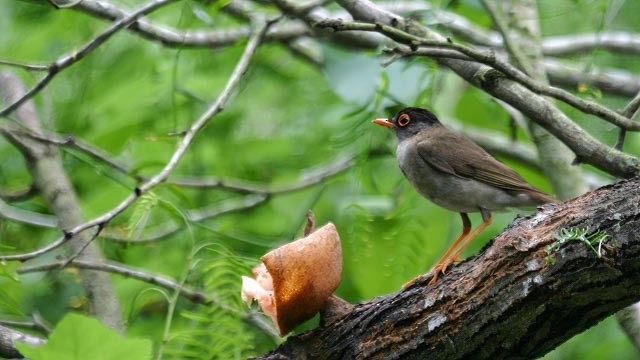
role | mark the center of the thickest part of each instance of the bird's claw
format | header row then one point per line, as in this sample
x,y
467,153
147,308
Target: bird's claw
x,y
440,268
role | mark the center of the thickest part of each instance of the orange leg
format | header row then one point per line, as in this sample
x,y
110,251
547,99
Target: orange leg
x,y
486,220
441,266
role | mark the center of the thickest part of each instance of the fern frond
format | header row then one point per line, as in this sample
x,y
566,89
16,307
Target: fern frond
x,y
215,331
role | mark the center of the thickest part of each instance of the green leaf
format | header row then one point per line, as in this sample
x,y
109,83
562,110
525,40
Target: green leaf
x,y
80,337
8,270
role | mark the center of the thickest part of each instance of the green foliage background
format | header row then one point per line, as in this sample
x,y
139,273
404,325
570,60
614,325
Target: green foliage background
x,y
288,119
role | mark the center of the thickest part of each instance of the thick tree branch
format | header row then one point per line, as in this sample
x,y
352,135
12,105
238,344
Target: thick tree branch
x,y
513,300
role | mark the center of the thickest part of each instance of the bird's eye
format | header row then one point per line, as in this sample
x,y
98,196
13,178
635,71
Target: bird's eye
x,y
403,120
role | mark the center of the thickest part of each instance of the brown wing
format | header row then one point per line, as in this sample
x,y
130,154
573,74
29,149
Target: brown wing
x,y
459,156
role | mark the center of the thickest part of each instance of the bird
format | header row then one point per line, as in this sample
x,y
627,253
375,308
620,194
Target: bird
x,y
457,174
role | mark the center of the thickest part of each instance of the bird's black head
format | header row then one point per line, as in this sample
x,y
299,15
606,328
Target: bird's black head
x,y
409,121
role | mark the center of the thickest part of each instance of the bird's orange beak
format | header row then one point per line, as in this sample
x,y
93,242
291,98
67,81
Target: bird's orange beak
x,y
384,122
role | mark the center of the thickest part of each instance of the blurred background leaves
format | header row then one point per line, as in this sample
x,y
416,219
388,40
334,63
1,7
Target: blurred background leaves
x,y
287,121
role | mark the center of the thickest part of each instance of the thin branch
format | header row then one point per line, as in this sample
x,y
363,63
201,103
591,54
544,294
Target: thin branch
x,y
512,47
629,111
36,323
28,217
189,293
18,195
618,41
66,61
611,80
260,194
194,216
184,143
532,105
193,295
488,58
29,67
193,38
69,141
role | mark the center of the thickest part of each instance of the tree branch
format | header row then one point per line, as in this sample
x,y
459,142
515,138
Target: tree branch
x,y
193,295
49,176
182,147
621,42
610,80
8,338
538,109
487,58
66,61
26,216
518,22
516,299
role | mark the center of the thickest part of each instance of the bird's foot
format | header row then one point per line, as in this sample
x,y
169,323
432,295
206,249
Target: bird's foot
x,y
440,268
414,280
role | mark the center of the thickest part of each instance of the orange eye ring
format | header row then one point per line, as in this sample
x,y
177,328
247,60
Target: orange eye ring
x,y
404,120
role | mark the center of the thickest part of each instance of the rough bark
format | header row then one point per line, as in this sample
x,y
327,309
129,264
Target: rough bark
x,y
45,164
509,301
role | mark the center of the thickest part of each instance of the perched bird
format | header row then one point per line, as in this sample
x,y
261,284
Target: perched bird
x,y
457,174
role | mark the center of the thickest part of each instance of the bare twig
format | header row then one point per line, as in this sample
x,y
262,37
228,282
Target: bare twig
x,y
66,61
198,215
30,67
36,323
259,195
610,80
532,105
194,295
488,58
183,145
618,41
53,185
69,141
28,217
629,111
193,38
